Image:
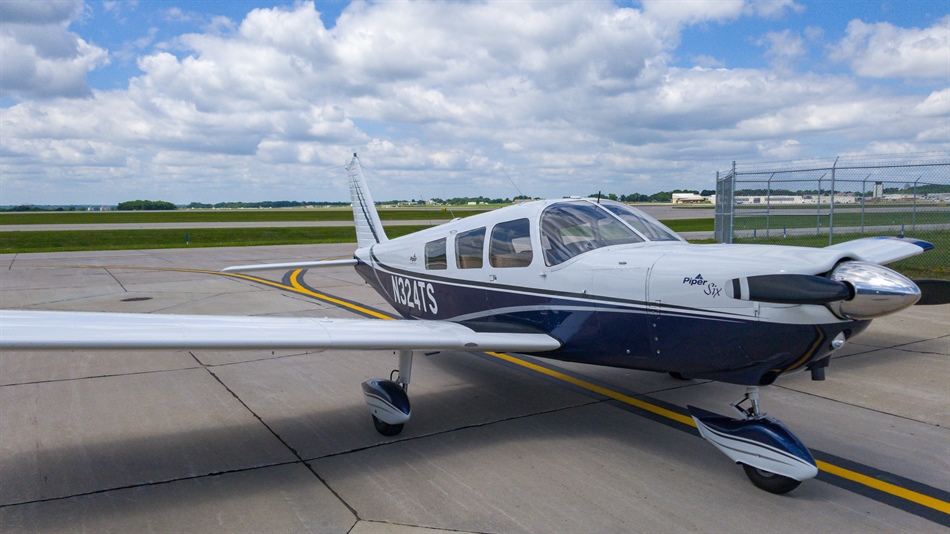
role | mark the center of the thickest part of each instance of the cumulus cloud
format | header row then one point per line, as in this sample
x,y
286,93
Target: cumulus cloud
x,y
41,58
698,11
783,44
883,50
566,98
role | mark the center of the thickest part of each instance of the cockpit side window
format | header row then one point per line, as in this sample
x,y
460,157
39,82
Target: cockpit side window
x,y
435,255
569,229
511,244
469,247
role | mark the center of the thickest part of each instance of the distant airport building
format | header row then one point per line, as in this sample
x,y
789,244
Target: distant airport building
x,y
687,198
840,198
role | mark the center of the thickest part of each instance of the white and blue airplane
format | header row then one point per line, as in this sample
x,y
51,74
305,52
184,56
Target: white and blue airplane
x,y
580,280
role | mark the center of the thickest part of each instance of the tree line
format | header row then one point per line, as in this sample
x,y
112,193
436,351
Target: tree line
x,y
145,205
662,196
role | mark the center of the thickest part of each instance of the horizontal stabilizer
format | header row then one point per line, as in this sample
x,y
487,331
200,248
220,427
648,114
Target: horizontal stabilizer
x,y
349,262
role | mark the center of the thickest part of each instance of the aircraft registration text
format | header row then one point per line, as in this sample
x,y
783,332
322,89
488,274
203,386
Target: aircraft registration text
x,y
416,294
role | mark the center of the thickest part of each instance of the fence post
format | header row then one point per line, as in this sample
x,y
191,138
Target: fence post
x,y
768,203
732,203
831,212
913,218
864,185
717,212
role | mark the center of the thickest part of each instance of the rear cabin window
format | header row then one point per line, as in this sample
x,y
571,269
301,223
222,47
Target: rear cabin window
x,y
511,244
470,248
435,255
570,229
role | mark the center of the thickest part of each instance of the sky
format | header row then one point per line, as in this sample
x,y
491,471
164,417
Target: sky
x,y
247,100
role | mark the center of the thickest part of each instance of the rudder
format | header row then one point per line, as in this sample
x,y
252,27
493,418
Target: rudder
x,y
369,229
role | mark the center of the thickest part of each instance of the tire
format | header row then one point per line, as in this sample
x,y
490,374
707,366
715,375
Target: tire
x,y
385,428
770,482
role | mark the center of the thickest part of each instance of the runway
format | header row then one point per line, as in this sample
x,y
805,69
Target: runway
x,y
282,441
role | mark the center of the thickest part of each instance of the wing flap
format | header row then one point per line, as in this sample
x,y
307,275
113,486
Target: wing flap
x,y
38,330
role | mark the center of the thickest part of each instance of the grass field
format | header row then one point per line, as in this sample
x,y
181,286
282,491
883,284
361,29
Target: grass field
x,y
214,216
932,264
842,219
73,240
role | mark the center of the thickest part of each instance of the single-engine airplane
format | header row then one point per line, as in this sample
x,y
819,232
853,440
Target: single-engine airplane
x,y
581,280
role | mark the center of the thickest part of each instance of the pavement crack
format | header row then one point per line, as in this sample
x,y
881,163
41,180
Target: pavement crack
x,y
106,269
284,442
112,375
458,428
853,405
146,484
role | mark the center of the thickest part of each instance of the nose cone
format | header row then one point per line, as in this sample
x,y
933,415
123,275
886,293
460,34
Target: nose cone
x,y
878,290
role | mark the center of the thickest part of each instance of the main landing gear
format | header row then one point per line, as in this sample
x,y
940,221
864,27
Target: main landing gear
x,y
388,400
773,458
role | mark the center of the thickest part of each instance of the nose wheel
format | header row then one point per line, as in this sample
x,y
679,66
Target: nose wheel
x,y
385,428
769,481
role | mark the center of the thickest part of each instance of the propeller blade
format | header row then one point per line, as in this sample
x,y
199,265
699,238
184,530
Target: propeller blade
x,y
933,292
789,289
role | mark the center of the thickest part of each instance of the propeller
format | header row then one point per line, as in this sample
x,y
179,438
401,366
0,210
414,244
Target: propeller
x,y
789,289
933,292
853,290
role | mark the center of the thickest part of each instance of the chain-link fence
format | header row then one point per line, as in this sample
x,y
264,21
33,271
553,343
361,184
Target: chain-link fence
x,y
823,202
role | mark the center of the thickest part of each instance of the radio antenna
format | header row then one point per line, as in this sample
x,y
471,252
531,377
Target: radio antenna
x,y
512,182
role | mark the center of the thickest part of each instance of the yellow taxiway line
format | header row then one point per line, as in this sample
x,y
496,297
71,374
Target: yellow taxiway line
x,y
297,286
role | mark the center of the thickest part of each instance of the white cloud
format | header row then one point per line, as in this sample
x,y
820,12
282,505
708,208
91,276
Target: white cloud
x,y
783,44
39,13
40,57
568,98
883,50
698,11
693,11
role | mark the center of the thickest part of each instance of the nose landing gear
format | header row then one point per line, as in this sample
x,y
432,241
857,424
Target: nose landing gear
x,y
773,458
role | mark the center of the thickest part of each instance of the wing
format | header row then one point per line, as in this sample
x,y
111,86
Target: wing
x,y
31,330
883,250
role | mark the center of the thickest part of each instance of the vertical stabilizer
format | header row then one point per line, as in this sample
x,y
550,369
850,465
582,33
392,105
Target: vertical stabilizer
x,y
369,229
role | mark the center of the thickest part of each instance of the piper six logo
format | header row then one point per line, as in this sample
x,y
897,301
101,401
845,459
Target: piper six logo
x,y
711,289
698,281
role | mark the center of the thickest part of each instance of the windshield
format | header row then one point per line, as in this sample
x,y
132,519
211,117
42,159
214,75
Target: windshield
x,y
651,228
572,228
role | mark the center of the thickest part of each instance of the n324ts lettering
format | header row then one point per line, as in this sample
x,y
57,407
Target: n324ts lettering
x,y
415,294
